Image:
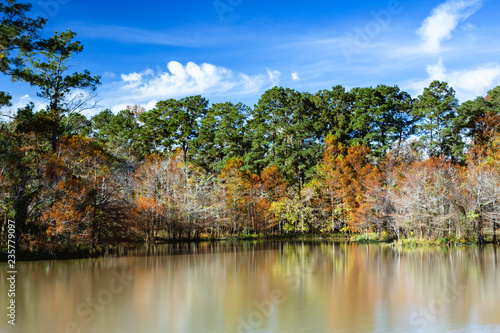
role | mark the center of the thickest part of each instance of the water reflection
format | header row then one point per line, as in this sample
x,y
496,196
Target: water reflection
x,y
263,287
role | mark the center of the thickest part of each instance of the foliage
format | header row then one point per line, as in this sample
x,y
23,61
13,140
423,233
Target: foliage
x,y
436,110
369,160
18,34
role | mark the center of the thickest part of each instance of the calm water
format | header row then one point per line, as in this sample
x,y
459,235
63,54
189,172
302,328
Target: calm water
x,y
262,287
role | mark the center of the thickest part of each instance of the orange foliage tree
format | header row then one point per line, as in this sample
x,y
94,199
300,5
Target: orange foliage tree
x,y
233,182
342,175
274,186
85,203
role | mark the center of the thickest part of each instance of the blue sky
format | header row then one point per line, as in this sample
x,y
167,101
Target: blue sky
x,y
234,50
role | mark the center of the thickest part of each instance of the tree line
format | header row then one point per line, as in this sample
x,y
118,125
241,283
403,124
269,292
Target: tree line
x,y
368,159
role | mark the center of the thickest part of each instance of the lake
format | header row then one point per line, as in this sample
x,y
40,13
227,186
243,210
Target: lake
x,y
279,286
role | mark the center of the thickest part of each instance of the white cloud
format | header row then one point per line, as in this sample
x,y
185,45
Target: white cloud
x,y
476,82
274,76
437,71
180,80
468,83
444,20
295,76
25,100
21,102
119,107
468,27
132,77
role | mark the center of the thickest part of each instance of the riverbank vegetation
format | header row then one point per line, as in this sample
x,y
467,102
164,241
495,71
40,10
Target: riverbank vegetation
x,y
359,161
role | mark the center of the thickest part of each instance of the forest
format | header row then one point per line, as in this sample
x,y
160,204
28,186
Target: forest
x,y
363,161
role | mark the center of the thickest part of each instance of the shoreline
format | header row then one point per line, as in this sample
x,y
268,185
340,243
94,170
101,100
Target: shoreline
x,y
87,252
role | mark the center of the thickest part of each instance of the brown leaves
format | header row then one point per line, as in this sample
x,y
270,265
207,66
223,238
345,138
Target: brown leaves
x,y
344,173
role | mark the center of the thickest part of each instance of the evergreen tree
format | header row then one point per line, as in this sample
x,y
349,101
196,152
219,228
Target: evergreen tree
x,y
173,123
283,131
335,109
436,110
119,133
392,121
221,136
18,34
47,70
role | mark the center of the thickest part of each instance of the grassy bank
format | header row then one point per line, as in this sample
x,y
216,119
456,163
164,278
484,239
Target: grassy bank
x,y
81,251
415,241
74,251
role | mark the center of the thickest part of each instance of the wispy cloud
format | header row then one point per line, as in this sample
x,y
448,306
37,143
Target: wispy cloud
x,y
20,102
468,83
184,80
209,35
274,76
443,21
109,74
133,35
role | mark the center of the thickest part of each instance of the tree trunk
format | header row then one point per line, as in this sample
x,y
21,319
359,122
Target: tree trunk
x,y
21,205
494,232
480,238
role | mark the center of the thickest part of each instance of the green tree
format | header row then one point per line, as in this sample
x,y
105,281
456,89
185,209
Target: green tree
x,y
467,121
366,101
377,116
381,117
392,121
5,99
173,123
283,131
77,124
22,168
18,33
494,98
119,133
436,109
221,135
47,70
335,109
478,120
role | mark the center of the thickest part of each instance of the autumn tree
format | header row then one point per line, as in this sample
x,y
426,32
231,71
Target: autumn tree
x,y
156,190
200,201
427,198
479,119
299,211
88,203
233,181
343,174
274,187
480,202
